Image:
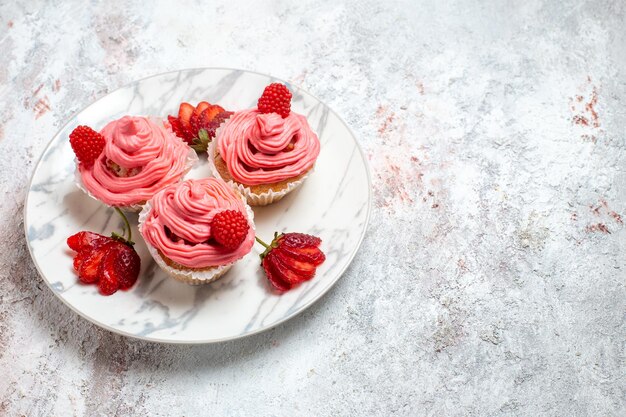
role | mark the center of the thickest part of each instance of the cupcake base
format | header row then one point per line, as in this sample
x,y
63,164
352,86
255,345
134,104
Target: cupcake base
x,y
256,195
198,276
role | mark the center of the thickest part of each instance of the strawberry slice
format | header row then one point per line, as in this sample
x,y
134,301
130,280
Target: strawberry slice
x,y
122,264
286,274
177,128
108,284
185,111
85,240
194,117
184,117
219,118
300,240
78,259
206,117
274,276
311,255
90,267
303,269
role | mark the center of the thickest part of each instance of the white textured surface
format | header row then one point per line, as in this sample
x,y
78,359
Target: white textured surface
x,y
491,281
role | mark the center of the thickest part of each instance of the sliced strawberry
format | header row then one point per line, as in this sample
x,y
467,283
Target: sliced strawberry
x,y
126,266
207,115
273,275
83,240
121,265
79,258
284,273
177,128
292,275
305,270
215,109
108,284
219,118
300,240
291,259
184,116
90,268
312,255
194,117
185,111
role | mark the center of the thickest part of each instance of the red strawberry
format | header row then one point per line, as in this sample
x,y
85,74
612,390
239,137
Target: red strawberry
x,y
312,255
291,259
89,271
111,262
82,240
194,117
300,240
177,128
108,284
219,118
229,228
87,144
276,98
121,265
273,275
207,130
302,268
78,259
185,112
206,117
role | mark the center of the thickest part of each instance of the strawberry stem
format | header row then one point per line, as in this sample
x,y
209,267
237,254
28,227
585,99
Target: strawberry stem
x,y
261,242
130,232
269,247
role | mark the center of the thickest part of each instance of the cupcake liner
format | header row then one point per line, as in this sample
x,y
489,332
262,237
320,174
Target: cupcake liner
x,y
253,199
192,158
190,276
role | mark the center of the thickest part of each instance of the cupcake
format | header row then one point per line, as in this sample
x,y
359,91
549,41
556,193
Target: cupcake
x,y
265,152
130,160
197,229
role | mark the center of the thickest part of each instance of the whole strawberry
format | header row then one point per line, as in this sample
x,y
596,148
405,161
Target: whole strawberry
x,y
87,144
276,98
229,228
291,259
109,262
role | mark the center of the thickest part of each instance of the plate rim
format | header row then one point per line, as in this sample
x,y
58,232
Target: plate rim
x,y
205,341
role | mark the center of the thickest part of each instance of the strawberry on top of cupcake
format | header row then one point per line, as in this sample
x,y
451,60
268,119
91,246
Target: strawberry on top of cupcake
x,y
129,160
265,152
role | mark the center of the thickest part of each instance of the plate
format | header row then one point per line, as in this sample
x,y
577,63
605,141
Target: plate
x,y
333,203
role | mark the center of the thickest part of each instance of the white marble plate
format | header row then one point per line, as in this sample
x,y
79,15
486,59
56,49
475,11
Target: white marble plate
x,y
334,203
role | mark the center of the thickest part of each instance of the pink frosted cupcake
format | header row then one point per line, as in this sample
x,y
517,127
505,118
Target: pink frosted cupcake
x,y
265,152
140,157
197,229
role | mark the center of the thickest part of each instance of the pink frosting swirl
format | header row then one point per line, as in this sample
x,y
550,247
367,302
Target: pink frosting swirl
x,y
187,210
265,148
148,148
